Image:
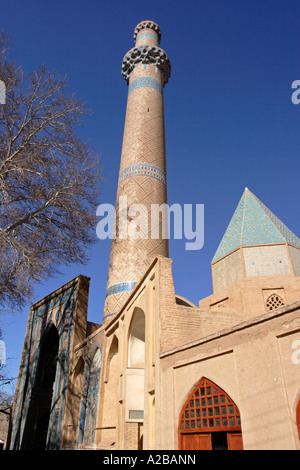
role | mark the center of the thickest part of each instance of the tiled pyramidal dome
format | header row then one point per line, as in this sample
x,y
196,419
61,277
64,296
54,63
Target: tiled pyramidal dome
x,y
256,243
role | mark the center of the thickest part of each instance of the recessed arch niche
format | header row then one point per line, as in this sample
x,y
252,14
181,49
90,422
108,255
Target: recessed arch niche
x,y
35,435
135,373
136,340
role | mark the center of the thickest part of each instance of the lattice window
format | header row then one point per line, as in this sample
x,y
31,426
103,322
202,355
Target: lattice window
x,y
209,409
274,301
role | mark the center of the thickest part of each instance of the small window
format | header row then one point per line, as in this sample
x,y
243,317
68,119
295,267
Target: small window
x,y
274,301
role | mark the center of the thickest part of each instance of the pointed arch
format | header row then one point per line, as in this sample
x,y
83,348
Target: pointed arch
x,y
111,357
35,435
47,360
77,384
136,339
209,419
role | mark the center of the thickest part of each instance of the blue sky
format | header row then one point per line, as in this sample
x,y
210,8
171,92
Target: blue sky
x,y
230,121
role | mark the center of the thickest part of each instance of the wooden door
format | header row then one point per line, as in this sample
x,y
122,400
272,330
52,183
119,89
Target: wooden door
x,y
204,441
196,442
235,441
187,442
209,408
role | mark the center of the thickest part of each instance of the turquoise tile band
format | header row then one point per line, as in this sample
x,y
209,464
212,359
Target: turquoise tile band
x,y
121,287
147,35
143,169
145,82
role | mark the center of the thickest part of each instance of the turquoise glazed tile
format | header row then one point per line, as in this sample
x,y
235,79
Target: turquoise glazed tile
x,y
253,224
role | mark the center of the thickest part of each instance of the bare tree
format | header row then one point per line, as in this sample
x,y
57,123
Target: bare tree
x,y
49,179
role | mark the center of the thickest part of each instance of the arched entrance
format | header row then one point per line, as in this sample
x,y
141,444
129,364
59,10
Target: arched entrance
x,y
41,397
209,420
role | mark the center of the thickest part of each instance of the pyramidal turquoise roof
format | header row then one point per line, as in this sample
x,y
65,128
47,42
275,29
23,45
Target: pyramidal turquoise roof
x,y
253,224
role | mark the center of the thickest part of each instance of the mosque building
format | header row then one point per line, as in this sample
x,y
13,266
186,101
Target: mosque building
x,y
161,373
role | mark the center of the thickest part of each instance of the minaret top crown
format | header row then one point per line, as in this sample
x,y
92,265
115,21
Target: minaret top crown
x,y
147,37
147,25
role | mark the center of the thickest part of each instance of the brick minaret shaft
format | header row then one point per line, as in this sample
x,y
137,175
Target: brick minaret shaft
x,y
142,178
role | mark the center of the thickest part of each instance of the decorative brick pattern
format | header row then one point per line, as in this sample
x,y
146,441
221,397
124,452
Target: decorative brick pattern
x,y
142,177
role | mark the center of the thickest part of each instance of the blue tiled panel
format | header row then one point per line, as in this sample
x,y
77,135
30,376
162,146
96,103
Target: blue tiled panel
x,y
253,224
232,237
287,234
121,287
143,169
258,228
145,82
57,300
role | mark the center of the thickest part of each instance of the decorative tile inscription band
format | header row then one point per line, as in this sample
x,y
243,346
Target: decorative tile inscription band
x,y
121,287
143,169
145,82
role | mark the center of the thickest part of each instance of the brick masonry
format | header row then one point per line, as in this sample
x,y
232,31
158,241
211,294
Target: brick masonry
x,y
142,177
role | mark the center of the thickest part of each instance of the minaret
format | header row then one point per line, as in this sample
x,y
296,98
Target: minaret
x,y
142,177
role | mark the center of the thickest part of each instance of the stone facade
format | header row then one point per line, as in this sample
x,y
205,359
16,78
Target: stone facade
x,y
162,373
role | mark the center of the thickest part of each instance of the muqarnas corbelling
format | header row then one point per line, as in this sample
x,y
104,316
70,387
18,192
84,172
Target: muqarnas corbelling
x,y
146,55
147,25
